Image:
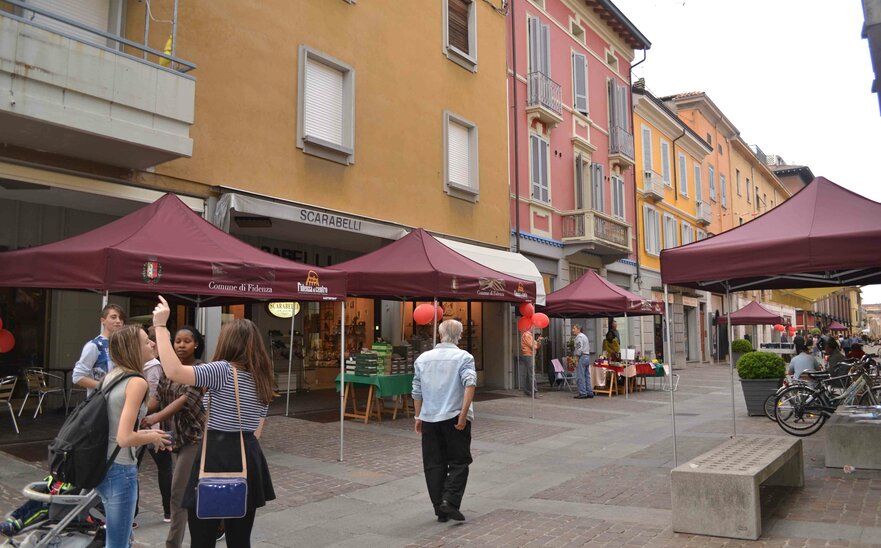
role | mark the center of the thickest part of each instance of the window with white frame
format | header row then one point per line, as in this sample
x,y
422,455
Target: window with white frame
x,y
597,187
461,166
618,202
652,230
460,32
647,163
665,163
723,190
671,236
619,109
687,235
711,176
698,184
540,174
326,107
701,235
582,165
579,82
683,175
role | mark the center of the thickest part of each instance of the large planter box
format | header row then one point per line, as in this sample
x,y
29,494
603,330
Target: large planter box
x,y
756,391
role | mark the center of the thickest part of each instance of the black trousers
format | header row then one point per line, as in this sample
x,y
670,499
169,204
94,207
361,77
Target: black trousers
x,y
203,532
165,467
446,454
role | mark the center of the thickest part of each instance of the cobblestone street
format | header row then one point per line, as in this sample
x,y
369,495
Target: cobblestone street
x,y
582,473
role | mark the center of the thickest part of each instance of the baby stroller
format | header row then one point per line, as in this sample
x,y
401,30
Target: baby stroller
x,y
62,518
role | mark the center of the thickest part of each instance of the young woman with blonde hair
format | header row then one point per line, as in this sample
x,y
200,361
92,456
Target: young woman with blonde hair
x,y
239,346
129,349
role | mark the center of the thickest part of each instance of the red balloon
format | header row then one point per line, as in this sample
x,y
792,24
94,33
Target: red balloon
x,y
791,330
524,324
778,327
440,313
527,310
7,341
540,320
423,314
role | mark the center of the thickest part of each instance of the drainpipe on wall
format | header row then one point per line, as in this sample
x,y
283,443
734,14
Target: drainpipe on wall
x,y
516,131
635,204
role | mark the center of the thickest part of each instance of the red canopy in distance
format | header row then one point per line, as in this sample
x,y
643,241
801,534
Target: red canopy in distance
x,y
592,296
835,326
752,314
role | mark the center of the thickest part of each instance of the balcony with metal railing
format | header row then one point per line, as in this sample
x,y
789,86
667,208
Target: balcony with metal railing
x,y
595,231
703,213
82,92
621,147
652,186
545,99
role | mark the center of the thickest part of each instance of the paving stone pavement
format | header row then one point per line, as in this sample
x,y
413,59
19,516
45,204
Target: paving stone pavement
x,y
580,473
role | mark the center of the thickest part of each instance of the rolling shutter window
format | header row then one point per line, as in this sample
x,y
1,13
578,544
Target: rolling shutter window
x,y
579,84
458,15
92,13
459,154
323,102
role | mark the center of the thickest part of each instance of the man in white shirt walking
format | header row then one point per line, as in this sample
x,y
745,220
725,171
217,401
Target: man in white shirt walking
x,y
443,388
582,355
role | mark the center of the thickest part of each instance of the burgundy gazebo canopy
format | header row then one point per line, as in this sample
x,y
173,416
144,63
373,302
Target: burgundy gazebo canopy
x,y
167,248
825,235
752,314
592,296
836,326
418,267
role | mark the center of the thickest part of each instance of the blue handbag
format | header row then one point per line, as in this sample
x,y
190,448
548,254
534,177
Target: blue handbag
x,y
222,495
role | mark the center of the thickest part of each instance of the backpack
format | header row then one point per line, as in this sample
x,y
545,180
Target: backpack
x,y
82,441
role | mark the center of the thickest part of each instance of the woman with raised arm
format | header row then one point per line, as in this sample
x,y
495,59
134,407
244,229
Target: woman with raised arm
x,y
239,346
129,349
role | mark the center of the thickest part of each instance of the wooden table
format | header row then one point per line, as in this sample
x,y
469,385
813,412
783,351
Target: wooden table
x,y
379,386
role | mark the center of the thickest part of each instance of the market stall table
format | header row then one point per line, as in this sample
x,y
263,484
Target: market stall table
x,y
379,386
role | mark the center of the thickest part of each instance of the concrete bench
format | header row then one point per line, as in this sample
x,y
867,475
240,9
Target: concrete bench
x,y
853,437
717,493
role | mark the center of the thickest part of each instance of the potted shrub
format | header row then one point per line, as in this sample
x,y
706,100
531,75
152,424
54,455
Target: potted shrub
x,y
739,347
760,376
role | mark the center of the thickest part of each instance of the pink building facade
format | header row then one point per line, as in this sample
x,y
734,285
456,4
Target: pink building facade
x,y
571,134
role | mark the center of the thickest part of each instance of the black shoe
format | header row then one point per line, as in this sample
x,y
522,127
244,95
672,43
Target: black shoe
x,y
450,511
589,396
444,518
582,397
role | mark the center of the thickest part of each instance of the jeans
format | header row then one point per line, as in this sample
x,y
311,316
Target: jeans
x,y
119,493
527,375
583,376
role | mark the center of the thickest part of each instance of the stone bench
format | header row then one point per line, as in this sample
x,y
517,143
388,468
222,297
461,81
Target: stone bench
x,y
717,493
853,437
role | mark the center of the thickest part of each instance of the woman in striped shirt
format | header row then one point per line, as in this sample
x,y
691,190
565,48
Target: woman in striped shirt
x,y
241,346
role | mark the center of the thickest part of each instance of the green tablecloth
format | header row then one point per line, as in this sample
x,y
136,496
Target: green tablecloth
x,y
386,385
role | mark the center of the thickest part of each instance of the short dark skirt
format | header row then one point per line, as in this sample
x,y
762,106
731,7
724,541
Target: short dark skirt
x,y
224,455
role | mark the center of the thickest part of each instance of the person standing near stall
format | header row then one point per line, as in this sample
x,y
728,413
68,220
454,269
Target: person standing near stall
x,y
582,356
95,360
444,382
528,346
236,411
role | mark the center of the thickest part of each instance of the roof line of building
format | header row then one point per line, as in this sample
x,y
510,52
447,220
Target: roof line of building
x,y
637,38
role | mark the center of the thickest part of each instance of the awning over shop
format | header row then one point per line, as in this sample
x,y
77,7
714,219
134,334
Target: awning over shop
x,y
513,264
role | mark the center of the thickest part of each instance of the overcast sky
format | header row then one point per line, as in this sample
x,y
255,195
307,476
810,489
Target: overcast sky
x,y
794,76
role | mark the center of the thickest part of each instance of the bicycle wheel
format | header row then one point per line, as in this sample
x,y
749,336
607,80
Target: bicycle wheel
x,y
866,400
798,411
770,406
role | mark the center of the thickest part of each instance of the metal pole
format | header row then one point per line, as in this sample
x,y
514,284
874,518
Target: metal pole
x,y
668,357
174,29
531,374
287,403
342,373
731,361
146,26
434,323
626,379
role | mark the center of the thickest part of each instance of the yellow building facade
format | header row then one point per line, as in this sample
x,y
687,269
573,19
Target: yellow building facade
x,y
670,166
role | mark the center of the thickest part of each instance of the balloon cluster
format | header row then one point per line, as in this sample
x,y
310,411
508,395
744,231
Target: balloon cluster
x,y
530,318
791,329
7,340
779,327
425,313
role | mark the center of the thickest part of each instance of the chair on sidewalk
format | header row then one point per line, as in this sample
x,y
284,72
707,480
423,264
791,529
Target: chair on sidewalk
x,y
669,382
38,385
560,373
7,388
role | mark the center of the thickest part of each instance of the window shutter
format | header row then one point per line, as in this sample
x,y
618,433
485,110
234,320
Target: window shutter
x,y
534,53
546,50
647,149
598,197
457,13
579,75
698,186
723,191
543,176
459,154
683,176
536,167
93,13
579,181
323,102
624,114
665,162
712,176
613,108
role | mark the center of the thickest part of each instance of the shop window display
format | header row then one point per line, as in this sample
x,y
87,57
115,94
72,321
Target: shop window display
x,y
24,312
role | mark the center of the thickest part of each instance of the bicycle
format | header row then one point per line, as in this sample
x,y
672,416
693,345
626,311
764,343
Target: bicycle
x,y
801,410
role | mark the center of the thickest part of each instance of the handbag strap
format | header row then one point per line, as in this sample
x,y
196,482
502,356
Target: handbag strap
x,y
244,472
